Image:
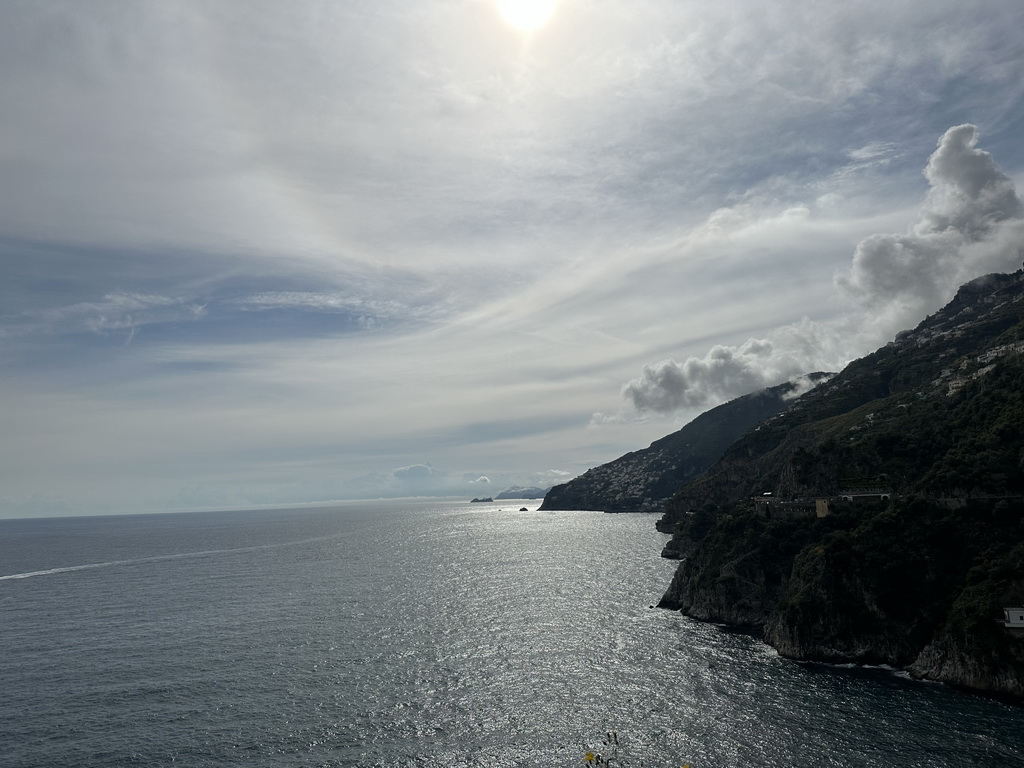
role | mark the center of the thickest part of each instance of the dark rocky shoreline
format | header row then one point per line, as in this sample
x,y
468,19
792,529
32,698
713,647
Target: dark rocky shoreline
x,y
793,586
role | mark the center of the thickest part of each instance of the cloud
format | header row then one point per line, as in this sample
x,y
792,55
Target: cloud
x,y
969,204
874,151
971,223
802,385
246,194
114,313
969,193
552,477
417,473
600,418
368,312
723,373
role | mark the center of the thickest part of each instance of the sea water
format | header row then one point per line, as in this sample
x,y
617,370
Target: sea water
x,y
419,634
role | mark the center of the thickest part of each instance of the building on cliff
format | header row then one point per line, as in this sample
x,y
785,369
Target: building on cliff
x,y
1013,620
772,507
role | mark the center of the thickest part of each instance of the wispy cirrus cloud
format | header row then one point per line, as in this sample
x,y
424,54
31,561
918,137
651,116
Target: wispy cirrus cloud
x,y
369,312
114,314
344,238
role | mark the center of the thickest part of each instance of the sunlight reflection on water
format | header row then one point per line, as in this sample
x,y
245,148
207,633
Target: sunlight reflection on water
x,y
433,635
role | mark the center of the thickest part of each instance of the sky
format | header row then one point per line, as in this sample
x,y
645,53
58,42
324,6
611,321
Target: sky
x,y
258,253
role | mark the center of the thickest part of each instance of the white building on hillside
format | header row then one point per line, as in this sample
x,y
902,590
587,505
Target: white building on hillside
x,y
1014,618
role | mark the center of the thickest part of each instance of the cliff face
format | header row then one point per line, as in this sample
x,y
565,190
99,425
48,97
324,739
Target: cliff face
x,y
937,418
641,481
915,586
967,650
731,576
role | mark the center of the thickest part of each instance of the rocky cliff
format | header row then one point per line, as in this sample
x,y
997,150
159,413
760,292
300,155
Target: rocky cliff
x,y
642,480
915,578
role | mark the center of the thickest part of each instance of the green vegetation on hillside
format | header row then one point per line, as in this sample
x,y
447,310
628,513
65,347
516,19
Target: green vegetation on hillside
x,y
642,480
917,579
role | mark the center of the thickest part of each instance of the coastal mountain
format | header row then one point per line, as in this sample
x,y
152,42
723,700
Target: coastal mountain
x,y
642,480
880,519
521,492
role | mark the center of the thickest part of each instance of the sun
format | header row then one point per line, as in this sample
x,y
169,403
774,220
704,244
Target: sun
x,y
527,15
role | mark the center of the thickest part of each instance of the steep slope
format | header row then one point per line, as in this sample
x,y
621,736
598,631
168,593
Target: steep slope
x,y
522,492
936,421
855,427
642,480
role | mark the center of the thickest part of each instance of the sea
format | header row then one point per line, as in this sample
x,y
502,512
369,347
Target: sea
x,y
420,633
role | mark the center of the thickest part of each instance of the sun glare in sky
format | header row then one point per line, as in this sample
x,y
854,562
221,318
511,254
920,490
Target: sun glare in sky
x,y
527,14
